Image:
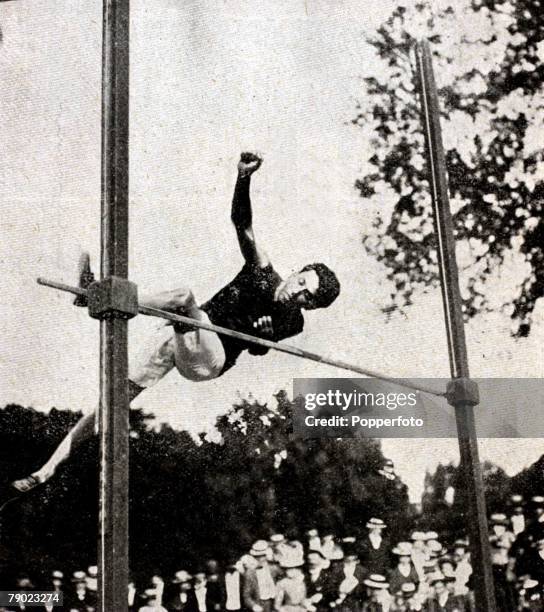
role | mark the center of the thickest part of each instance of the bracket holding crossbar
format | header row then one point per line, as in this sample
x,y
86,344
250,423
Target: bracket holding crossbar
x,y
113,298
463,392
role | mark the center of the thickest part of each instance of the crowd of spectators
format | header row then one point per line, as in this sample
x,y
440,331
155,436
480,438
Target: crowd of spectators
x,y
321,572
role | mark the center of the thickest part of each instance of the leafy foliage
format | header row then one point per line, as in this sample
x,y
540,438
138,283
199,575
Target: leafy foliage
x,y
444,505
489,65
191,499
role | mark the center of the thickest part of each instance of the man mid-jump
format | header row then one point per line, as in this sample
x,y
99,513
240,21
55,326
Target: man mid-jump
x,y
257,302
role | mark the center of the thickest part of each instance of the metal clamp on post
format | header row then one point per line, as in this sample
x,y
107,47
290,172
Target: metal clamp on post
x,y
463,391
113,298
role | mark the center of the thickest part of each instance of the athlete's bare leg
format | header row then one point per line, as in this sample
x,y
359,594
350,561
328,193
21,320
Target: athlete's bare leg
x,y
81,432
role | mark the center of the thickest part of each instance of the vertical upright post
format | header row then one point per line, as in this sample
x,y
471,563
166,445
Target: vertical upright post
x,y
466,429
114,402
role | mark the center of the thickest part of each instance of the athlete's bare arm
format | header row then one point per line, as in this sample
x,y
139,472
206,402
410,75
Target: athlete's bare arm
x,y
241,214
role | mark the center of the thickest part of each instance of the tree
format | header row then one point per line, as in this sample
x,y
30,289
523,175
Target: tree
x,y
444,506
190,499
489,64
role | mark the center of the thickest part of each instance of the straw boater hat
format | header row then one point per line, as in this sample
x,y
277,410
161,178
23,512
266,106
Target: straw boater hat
x,y
376,581
276,538
435,548
403,549
291,561
57,574
439,577
516,499
431,535
498,519
92,571
181,576
259,549
375,523
79,576
528,585
408,589
417,536
312,533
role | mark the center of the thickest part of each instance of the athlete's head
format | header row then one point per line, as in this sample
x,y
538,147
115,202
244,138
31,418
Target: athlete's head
x,y
315,286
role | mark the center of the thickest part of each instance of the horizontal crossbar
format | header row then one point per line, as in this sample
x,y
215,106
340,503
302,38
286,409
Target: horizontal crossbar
x,y
275,346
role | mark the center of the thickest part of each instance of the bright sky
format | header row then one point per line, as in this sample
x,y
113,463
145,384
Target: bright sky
x,y
281,77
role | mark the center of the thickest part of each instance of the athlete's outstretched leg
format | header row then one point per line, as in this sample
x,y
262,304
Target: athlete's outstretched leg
x,y
81,432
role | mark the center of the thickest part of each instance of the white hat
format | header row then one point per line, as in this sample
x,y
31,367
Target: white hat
x,y
276,538
259,549
417,536
92,571
79,576
439,577
376,523
408,589
376,581
403,549
181,576
498,519
57,574
292,560
529,583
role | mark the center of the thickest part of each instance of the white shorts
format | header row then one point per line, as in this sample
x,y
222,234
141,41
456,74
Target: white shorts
x,y
198,355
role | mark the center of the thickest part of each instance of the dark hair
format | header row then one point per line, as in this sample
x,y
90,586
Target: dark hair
x,y
328,288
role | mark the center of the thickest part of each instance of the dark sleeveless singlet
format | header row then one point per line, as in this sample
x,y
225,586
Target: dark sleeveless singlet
x,y
249,296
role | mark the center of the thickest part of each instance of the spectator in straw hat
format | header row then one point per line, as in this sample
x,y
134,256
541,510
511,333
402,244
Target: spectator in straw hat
x,y
259,582
291,591
374,547
179,595
463,567
328,544
500,542
419,552
313,541
442,599
351,581
319,583
203,598
377,593
277,547
404,596
77,598
151,602
404,572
